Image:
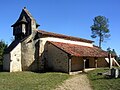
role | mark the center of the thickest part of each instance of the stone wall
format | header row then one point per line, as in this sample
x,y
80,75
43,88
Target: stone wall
x,y
29,62
56,59
101,62
91,62
15,59
76,64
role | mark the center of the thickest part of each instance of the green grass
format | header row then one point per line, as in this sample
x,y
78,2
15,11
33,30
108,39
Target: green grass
x,y
31,80
100,82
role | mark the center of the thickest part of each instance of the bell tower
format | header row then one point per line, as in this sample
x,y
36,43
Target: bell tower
x,y
19,28
24,26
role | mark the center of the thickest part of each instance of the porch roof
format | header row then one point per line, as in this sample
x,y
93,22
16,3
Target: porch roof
x,y
79,50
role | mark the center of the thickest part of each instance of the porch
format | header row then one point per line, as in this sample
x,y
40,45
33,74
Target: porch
x,y
81,64
77,57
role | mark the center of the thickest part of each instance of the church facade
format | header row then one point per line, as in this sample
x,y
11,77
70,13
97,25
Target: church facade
x,y
38,50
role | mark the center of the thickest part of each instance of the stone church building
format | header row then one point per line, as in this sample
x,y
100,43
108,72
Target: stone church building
x,y
38,50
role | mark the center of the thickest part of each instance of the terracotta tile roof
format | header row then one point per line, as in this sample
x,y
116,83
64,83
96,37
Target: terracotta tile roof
x,y
50,34
80,51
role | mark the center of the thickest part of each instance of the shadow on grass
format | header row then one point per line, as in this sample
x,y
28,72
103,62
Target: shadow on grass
x,y
102,77
48,71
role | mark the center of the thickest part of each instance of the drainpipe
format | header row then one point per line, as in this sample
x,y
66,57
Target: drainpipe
x,y
69,63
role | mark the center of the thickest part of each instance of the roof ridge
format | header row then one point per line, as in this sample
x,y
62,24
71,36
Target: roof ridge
x,y
27,12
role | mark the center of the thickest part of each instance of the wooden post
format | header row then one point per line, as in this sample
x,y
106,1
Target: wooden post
x,y
84,65
95,63
110,60
69,64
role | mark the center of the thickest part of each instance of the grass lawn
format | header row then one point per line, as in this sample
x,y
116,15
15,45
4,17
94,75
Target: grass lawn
x,y
99,82
31,80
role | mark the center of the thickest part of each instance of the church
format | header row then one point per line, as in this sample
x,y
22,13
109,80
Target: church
x,y
39,50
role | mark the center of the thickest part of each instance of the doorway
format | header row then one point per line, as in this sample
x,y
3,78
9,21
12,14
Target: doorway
x,y
87,63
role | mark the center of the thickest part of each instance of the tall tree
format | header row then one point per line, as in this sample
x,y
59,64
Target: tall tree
x,y
100,29
3,46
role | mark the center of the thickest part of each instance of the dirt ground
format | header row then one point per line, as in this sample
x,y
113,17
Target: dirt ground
x,y
77,82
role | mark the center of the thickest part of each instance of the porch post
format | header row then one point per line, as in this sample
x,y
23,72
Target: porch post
x,y
69,64
110,60
84,65
95,63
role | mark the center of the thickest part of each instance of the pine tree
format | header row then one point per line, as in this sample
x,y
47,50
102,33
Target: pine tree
x,y
100,29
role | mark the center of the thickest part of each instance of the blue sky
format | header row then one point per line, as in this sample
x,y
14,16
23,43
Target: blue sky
x,y
69,17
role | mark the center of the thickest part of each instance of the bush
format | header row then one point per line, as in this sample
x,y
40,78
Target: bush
x,y
3,46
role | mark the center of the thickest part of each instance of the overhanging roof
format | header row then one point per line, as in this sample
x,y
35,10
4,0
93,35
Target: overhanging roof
x,y
79,50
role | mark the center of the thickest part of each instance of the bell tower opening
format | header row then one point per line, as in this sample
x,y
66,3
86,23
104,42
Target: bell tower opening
x,y
19,28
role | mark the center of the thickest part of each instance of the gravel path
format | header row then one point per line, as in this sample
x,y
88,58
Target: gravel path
x,y
78,82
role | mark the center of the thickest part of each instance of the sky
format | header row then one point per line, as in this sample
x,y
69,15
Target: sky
x,y
69,17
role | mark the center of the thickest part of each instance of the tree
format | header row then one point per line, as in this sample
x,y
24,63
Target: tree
x,y
118,58
3,46
113,52
100,29
109,50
